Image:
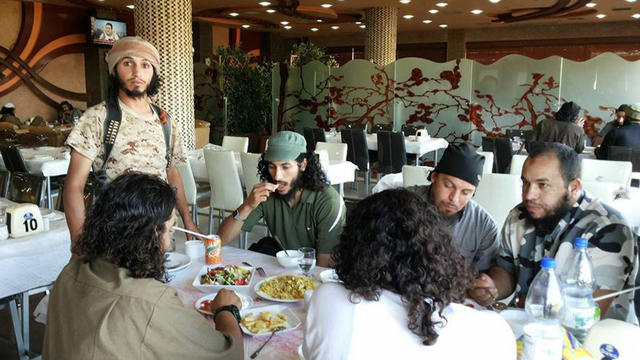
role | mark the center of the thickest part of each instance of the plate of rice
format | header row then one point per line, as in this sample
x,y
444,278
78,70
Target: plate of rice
x,y
285,288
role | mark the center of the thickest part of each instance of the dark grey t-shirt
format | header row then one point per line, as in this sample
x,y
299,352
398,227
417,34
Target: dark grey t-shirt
x,y
475,232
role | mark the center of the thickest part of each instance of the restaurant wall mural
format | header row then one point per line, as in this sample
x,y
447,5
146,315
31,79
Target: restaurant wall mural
x,y
460,100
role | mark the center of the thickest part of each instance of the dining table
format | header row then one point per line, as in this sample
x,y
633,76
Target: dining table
x,y
284,345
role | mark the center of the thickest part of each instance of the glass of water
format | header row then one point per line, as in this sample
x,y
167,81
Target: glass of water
x,y
308,260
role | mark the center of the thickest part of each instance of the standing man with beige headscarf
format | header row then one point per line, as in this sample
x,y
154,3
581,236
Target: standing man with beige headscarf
x,y
140,141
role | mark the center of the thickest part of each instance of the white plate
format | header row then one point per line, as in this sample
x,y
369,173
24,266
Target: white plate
x,y
176,261
292,320
329,276
52,215
43,158
300,353
267,297
247,302
215,288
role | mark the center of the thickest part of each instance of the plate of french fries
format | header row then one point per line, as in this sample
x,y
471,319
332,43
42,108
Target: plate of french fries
x,y
264,320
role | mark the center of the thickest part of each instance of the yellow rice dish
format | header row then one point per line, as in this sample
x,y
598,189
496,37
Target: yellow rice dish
x,y
287,287
266,321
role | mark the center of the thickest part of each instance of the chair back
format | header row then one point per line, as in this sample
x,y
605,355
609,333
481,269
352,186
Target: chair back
x,y
381,127
625,153
4,182
312,136
392,155
517,162
503,153
618,172
487,168
250,170
415,175
26,188
188,182
498,194
226,190
357,149
605,191
336,151
235,143
323,158
13,159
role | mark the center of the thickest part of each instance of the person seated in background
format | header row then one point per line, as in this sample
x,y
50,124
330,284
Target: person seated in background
x,y
295,200
627,135
453,183
68,115
112,301
8,113
566,128
402,281
618,121
37,121
554,211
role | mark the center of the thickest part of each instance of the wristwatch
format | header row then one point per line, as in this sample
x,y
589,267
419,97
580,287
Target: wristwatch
x,y
230,308
236,215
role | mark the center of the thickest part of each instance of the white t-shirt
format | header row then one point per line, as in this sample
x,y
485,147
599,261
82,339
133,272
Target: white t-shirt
x,y
336,329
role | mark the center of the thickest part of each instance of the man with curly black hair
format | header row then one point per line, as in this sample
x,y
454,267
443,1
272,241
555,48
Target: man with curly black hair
x,y
402,283
113,304
294,198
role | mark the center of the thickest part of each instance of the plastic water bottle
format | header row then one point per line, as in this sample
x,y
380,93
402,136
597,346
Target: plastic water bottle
x,y
578,283
543,334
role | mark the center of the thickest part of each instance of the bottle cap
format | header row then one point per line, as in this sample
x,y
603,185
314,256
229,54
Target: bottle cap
x,y
580,243
548,263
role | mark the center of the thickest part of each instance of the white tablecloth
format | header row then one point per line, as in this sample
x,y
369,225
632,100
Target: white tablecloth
x,y
283,346
44,160
389,181
32,261
340,172
412,145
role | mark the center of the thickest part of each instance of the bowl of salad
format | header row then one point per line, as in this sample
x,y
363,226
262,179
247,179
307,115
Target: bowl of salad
x,y
212,278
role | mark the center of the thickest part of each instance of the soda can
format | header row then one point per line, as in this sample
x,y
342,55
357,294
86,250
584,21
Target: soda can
x,y
213,250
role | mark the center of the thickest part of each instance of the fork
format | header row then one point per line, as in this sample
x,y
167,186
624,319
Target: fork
x,y
260,270
255,353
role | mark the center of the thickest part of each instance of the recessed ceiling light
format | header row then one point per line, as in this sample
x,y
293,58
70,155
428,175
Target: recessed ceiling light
x,y
288,27
246,26
494,1
591,4
405,1
284,22
264,3
233,14
433,11
363,26
601,16
319,20
443,25
636,16
314,29
476,12
408,16
358,22
630,1
270,11
441,4
131,6
326,6
427,21
334,27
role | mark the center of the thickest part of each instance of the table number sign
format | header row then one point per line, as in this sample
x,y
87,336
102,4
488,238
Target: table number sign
x,y
23,220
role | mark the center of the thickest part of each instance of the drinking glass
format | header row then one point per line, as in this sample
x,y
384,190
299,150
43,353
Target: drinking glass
x,y
308,260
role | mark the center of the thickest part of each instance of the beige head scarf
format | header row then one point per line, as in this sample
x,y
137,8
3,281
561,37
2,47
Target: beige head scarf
x,y
133,46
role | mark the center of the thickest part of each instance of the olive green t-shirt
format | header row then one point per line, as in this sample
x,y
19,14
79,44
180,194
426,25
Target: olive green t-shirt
x,y
316,221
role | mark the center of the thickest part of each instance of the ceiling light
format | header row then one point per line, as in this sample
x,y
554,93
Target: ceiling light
x,y
433,11
476,12
334,27
405,1
233,14
494,1
427,21
358,22
288,27
591,4
326,6
314,29
246,26
441,4
284,22
319,20
636,16
630,1
130,6
363,26
601,16
264,3
270,11
408,16
443,25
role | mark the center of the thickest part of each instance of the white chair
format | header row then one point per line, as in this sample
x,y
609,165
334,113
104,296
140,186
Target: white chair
x,y
488,161
605,191
193,192
250,170
415,175
498,194
517,162
226,190
323,158
238,144
336,151
618,172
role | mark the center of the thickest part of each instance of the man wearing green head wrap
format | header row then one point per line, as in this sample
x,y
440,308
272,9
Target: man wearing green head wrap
x,y
294,198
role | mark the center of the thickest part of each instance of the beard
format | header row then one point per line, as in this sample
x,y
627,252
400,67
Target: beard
x,y
546,224
131,93
296,184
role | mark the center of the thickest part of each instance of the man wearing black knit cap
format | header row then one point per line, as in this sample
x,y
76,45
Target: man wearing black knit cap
x,y
453,183
566,128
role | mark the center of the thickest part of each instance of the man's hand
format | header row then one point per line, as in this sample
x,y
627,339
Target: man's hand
x,y
484,290
190,225
259,194
225,297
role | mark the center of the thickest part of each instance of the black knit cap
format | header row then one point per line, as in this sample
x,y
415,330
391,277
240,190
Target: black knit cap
x,y
463,162
568,111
